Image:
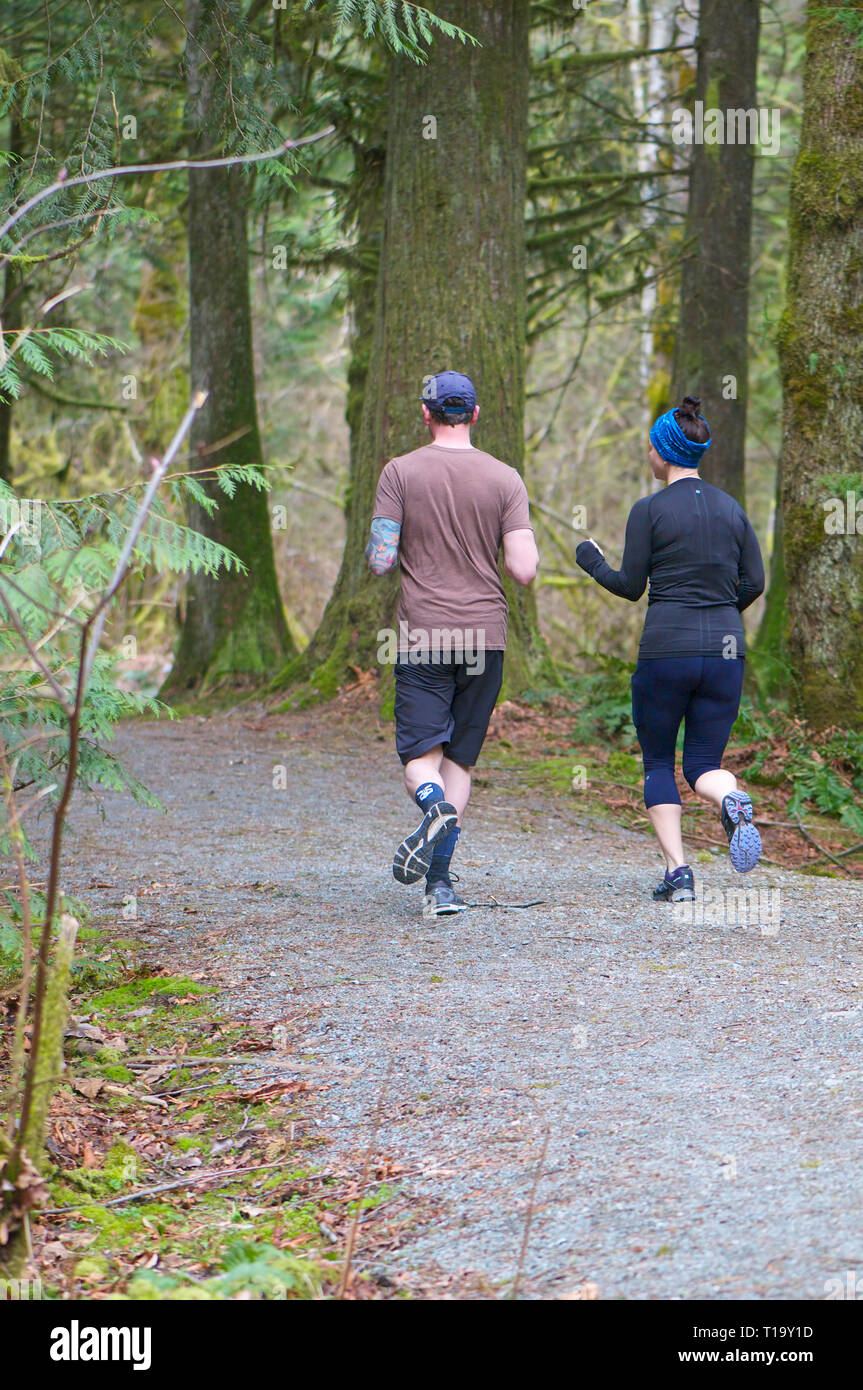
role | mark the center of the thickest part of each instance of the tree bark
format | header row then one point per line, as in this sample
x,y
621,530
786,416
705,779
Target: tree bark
x,y
450,294
821,354
710,357
234,628
770,649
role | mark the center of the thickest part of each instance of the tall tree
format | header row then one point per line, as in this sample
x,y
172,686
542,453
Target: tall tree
x,y
710,358
821,353
450,293
233,627
651,25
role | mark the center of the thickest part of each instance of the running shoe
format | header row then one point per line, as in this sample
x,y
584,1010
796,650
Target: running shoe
x,y
441,899
744,841
677,886
414,855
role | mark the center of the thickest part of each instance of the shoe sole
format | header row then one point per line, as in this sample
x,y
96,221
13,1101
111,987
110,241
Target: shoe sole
x,y
744,844
451,911
680,895
413,857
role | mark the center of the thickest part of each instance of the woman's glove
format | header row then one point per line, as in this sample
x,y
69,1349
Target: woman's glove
x,y
588,555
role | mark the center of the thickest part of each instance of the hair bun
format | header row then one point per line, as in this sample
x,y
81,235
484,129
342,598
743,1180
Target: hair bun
x,y
690,406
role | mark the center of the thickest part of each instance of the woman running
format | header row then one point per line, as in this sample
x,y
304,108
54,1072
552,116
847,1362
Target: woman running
x,y
698,548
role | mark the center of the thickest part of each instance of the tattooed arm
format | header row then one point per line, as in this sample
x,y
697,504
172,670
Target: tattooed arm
x,y
382,551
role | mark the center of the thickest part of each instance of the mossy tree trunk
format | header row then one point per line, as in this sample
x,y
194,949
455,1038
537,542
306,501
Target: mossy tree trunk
x,y
821,352
233,629
770,651
710,357
367,209
450,293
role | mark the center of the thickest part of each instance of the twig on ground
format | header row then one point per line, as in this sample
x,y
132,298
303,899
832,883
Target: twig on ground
x,y
821,850
854,849
529,1218
703,839
537,902
217,1175
352,1233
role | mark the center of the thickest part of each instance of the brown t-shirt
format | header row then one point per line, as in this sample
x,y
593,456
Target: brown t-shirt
x,y
454,507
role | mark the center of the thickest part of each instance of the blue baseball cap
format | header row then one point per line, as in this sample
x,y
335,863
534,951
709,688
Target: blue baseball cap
x,y
449,392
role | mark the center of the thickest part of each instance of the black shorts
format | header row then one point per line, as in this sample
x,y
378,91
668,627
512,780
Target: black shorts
x,y
445,702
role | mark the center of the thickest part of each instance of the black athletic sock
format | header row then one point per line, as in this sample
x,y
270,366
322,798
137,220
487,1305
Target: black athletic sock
x,y
428,795
438,871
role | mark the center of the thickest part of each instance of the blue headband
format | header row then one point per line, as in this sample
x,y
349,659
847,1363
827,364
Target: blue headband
x,y
671,443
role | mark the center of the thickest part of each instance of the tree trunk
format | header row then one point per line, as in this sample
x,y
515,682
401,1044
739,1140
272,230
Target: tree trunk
x,y
710,358
450,293
651,25
821,353
770,649
234,628
368,187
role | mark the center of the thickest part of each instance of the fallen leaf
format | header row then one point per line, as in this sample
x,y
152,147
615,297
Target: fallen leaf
x,y
88,1086
53,1250
156,1073
84,1030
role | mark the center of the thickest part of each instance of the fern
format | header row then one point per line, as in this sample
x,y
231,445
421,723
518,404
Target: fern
x,y
34,348
404,28
54,571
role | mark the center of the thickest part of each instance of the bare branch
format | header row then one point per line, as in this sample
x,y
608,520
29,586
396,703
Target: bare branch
x,y
40,665
96,621
119,171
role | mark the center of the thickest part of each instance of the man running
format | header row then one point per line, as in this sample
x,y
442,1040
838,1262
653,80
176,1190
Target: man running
x,y
443,512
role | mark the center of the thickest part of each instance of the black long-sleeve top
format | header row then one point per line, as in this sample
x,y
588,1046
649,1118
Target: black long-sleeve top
x,y
697,547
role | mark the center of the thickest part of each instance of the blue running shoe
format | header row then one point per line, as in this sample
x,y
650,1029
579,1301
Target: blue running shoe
x,y
677,886
744,842
413,857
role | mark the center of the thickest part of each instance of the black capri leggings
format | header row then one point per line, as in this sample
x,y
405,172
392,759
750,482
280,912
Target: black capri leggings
x,y
704,692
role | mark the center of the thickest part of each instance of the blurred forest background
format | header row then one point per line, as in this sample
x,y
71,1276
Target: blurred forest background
x,y
605,233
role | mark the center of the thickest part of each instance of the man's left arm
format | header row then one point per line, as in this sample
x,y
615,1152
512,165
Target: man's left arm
x,y
382,551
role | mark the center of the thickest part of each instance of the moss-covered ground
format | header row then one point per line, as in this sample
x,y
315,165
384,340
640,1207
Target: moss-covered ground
x,y
171,1175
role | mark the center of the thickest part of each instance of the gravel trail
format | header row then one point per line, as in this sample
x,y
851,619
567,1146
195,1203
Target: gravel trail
x,y
684,1097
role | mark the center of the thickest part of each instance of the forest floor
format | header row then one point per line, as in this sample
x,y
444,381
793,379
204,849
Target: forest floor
x,y
568,1091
